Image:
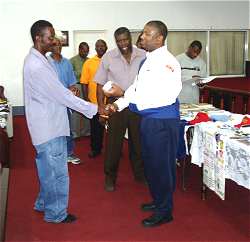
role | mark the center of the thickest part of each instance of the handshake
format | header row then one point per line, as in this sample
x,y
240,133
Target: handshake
x,y
75,90
107,110
110,89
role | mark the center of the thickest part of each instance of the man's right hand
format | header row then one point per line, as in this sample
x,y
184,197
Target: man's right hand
x,y
75,90
108,110
103,115
102,110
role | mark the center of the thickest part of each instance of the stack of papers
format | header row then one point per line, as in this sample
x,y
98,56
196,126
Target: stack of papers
x,y
188,111
4,111
202,80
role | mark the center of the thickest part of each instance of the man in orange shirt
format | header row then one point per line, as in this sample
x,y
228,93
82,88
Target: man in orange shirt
x,y
89,88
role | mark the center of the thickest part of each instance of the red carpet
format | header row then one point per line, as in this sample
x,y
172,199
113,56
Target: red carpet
x,y
116,216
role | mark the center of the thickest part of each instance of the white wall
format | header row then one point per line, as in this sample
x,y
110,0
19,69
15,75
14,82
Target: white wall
x,y
16,18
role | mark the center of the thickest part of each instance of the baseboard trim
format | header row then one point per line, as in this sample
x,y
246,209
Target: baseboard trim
x,y
18,110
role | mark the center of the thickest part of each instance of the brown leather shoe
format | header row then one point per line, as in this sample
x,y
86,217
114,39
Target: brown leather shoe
x,y
109,184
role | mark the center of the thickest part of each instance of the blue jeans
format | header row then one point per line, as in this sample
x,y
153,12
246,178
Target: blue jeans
x,y
51,162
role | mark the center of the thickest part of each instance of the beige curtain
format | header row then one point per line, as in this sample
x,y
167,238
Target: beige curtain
x,y
178,41
226,48
226,52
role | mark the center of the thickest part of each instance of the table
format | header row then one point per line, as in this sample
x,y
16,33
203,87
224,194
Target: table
x,y
6,132
188,112
223,153
4,149
6,118
215,147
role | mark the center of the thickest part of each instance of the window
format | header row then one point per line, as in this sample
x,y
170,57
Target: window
x,y
178,41
226,49
227,52
224,52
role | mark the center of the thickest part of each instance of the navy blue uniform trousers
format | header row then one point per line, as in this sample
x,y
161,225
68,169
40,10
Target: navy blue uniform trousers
x,y
159,140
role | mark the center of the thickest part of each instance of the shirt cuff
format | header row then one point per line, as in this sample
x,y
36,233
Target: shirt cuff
x,y
122,103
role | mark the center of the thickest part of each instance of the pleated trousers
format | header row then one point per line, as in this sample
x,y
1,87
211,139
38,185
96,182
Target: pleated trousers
x,y
159,140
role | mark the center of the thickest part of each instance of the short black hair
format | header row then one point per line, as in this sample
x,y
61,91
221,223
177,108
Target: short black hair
x,y
38,27
160,26
101,40
84,43
122,30
196,43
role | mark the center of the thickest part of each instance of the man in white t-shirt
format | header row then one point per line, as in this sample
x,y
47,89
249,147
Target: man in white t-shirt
x,y
192,66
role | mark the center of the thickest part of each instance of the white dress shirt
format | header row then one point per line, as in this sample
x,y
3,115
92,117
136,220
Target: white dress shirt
x,y
157,84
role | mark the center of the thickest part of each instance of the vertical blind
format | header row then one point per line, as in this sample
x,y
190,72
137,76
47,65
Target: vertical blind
x,y
226,49
178,41
227,53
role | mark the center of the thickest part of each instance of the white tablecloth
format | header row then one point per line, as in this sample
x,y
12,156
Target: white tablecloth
x,y
221,156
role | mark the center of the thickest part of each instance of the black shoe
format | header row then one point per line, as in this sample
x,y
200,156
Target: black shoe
x,y
69,219
109,184
93,154
156,220
38,211
148,207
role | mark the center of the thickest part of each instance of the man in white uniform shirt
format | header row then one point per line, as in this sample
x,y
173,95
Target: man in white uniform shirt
x,y
192,66
153,95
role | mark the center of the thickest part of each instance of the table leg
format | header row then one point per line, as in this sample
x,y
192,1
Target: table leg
x,y
185,168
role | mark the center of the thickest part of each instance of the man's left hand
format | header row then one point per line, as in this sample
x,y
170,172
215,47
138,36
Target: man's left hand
x,y
114,91
75,91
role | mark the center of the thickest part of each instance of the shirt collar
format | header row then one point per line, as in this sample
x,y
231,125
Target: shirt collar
x,y
157,51
96,57
82,59
135,53
49,57
38,54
